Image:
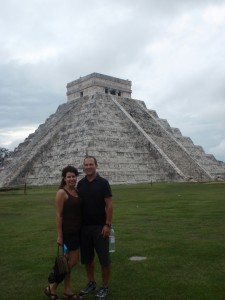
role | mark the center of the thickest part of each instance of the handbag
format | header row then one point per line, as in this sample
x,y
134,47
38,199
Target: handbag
x,y
61,264
60,268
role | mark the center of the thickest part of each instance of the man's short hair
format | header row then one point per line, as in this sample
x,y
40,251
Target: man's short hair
x,y
90,156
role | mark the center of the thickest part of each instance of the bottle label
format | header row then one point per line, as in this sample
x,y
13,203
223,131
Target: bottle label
x,y
112,239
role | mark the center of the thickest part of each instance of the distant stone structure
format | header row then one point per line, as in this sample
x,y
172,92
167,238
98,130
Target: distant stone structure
x,y
131,143
98,83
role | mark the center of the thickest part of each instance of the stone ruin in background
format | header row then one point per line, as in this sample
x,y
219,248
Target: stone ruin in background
x,y
131,143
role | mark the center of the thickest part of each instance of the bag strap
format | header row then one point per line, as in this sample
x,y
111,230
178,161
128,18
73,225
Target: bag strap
x,y
58,250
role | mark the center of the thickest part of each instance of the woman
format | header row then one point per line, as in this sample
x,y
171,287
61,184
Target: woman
x,y
68,221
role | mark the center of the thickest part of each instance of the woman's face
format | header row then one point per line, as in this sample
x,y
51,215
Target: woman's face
x,y
70,179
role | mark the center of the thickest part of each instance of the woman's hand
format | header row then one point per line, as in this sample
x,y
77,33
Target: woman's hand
x,y
60,240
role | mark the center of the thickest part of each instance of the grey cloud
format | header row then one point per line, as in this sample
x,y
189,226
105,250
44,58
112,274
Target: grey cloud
x,y
184,83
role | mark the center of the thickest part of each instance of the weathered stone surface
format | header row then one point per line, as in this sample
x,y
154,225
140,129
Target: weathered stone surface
x,y
131,143
98,83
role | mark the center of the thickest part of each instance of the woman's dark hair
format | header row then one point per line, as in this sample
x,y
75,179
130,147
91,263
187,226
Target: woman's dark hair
x,y
64,172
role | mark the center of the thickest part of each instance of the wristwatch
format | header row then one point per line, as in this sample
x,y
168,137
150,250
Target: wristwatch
x,y
109,225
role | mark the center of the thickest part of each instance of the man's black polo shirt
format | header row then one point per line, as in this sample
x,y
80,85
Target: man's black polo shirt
x,y
93,204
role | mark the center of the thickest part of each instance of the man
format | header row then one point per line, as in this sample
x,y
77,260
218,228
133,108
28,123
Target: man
x,y
97,210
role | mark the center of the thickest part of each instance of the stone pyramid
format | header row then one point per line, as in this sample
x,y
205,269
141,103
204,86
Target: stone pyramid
x,y
131,143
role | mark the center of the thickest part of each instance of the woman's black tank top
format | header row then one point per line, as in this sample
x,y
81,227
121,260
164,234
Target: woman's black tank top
x,y
71,219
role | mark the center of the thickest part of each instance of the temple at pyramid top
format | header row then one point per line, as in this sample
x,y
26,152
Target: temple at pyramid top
x,y
131,143
98,83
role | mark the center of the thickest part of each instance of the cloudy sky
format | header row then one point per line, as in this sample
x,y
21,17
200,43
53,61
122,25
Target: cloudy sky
x,y
173,51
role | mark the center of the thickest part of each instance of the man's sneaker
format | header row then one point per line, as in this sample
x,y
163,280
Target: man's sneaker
x,y
91,286
102,293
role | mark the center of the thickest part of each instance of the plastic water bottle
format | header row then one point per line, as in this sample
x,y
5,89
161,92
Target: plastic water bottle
x,y
112,241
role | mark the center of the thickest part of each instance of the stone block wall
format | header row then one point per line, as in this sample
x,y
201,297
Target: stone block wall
x,y
98,83
130,143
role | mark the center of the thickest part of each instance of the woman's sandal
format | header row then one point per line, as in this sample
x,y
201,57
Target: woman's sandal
x,y
49,294
72,296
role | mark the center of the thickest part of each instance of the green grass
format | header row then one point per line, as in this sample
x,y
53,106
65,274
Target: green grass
x,y
180,228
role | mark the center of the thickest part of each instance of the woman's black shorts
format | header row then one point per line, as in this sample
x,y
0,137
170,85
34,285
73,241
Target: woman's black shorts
x,y
72,241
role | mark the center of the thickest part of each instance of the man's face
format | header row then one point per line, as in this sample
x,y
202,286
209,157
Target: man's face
x,y
89,166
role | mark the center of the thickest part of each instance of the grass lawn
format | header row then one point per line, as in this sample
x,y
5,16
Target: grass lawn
x,y
178,227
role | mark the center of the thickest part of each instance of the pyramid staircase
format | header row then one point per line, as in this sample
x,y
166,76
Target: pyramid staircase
x,y
129,141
